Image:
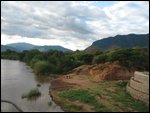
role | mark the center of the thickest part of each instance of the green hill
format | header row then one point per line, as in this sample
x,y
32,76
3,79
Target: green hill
x,y
121,41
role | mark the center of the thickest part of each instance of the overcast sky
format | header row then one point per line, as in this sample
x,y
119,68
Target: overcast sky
x,y
71,24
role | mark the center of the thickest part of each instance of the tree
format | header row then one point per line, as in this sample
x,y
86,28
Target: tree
x,y
100,59
43,67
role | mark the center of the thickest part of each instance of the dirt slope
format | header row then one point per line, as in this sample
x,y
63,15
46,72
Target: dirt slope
x,y
103,84
85,74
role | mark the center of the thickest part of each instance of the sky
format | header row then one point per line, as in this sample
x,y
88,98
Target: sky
x,y
71,24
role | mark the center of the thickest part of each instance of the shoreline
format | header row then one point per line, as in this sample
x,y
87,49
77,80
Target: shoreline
x,y
56,102
53,90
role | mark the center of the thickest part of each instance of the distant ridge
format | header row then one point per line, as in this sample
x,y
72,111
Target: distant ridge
x,y
26,46
4,48
121,41
46,48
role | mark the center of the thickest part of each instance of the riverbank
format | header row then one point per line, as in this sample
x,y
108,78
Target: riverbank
x,y
78,91
107,96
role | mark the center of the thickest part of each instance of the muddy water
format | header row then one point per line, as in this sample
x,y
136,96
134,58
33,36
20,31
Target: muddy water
x,y
16,79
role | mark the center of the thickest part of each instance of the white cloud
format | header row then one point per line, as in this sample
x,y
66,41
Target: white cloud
x,y
70,24
126,17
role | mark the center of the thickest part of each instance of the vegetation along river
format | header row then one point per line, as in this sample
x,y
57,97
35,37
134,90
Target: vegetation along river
x,y
16,79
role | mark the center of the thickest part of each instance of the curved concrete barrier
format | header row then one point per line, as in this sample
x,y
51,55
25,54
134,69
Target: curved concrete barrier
x,y
141,77
138,95
138,87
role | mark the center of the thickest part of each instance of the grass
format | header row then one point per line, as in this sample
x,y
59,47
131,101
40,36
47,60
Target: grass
x,y
84,96
80,94
109,100
121,96
120,99
33,93
73,107
122,83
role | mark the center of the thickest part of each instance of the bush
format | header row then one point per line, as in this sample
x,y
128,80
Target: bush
x,y
42,67
50,103
32,93
100,59
137,58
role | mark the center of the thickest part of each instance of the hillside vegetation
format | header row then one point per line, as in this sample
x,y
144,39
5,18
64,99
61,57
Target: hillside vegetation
x,y
56,62
121,41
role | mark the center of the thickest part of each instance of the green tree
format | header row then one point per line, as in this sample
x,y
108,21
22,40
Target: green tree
x,y
43,67
100,59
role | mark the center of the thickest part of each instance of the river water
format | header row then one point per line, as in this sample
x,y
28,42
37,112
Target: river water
x,y
16,79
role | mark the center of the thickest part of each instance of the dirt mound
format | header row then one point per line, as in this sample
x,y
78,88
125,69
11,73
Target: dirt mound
x,y
107,71
110,71
86,74
84,69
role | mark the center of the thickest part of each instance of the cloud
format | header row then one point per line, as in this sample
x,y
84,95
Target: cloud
x,y
71,22
125,17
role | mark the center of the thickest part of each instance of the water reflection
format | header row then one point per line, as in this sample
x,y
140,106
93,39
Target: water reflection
x,y
42,79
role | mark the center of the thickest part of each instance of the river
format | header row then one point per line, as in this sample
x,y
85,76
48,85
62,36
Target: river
x,y
16,79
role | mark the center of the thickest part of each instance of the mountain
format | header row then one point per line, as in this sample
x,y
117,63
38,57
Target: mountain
x,y
21,46
4,48
121,41
46,48
26,46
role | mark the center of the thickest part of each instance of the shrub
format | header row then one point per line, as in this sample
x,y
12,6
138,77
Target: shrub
x,y
99,59
42,67
50,103
32,93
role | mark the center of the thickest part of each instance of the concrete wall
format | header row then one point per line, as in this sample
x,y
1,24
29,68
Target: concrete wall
x,y
138,95
138,87
141,77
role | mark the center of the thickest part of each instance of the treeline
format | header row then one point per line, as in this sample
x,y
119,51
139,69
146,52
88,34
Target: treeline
x,y
133,58
9,54
51,62
56,62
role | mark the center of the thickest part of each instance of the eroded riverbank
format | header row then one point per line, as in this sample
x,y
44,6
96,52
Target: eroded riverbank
x,y
81,93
